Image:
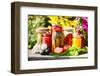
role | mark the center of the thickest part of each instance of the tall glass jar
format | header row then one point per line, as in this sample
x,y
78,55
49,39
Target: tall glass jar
x,y
43,40
57,37
37,48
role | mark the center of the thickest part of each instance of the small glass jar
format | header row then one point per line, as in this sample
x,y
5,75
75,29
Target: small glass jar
x,y
77,41
83,41
47,39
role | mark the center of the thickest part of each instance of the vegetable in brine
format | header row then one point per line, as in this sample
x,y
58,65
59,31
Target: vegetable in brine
x,y
57,37
58,50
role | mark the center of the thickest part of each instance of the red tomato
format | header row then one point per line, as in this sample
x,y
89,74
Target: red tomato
x,y
66,47
58,50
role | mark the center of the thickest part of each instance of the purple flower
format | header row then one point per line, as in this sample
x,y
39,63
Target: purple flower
x,y
85,24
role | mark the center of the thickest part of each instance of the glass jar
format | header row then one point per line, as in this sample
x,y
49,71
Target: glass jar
x,y
68,32
37,48
57,37
77,41
83,41
47,39
42,40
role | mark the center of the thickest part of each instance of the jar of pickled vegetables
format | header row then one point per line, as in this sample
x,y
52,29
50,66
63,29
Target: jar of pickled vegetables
x,y
68,32
47,39
83,41
57,37
37,48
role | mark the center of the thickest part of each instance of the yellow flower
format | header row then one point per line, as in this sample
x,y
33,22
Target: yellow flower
x,y
63,21
53,19
74,23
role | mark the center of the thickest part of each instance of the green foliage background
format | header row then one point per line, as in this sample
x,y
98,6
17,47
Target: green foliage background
x,y
33,23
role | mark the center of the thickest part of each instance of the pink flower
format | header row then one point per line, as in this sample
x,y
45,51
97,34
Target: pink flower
x,y
85,24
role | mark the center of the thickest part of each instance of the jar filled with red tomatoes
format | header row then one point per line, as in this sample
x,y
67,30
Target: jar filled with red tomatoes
x,y
47,39
68,36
